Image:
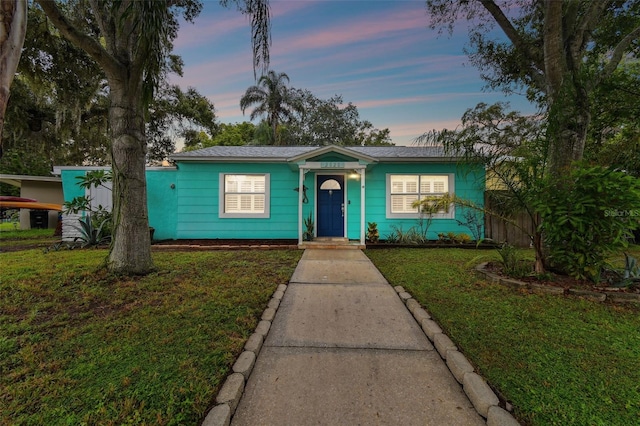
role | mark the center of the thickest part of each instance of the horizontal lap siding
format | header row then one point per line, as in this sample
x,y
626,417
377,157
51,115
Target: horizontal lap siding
x,y
353,208
469,184
162,201
198,203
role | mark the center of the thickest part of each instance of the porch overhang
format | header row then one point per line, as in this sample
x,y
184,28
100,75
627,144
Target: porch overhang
x,y
322,166
332,149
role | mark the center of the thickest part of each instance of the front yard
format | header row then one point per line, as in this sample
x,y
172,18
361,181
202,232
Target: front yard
x,y
559,360
78,346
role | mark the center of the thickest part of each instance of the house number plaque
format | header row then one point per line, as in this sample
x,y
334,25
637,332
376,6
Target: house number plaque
x,y
332,165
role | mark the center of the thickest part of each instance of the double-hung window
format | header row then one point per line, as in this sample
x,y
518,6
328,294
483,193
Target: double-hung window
x,y
244,195
403,190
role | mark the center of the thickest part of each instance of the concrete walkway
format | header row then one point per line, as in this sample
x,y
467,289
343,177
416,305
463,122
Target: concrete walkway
x,y
343,349
339,346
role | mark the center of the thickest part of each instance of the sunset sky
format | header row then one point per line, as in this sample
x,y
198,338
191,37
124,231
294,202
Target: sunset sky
x,y
379,55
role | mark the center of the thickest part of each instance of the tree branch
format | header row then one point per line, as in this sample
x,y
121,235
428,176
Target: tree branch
x,y
589,21
618,52
71,33
510,31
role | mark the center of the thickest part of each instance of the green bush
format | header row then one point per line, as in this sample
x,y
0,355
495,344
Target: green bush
x,y
588,217
512,262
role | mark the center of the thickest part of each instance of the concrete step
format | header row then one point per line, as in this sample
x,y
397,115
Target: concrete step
x,y
331,244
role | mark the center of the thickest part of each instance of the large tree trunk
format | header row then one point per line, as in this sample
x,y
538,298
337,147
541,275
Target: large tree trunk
x,y
131,244
13,27
568,99
569,119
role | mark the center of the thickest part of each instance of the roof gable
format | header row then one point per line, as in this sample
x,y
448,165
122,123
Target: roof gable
x,y
332,150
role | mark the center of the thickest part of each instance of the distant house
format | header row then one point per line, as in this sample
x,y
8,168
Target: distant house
x,y
266,192
44,189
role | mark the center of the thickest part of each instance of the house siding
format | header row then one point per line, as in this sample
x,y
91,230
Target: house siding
x,y
198,203
162,202
184,201
353,207
469,184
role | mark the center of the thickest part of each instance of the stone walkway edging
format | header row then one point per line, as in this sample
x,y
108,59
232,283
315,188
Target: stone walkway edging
x,y
596,296
231,391
474,386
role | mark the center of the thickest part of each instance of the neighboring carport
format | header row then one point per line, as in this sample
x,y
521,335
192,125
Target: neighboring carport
x,y
45,189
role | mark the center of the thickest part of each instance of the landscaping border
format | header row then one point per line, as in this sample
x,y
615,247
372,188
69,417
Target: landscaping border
x,y
231,391
483,398
597,296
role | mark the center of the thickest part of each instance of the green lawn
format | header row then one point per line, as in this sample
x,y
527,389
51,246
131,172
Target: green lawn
x,y
78,346
559,360
10,236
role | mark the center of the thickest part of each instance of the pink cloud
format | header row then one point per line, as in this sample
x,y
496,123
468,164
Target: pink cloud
x,y
232,68
283,8
191,35
367,28
406,133
211,26
378,103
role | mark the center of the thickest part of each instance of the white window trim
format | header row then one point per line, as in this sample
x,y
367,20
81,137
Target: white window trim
x,y
267,197
448,215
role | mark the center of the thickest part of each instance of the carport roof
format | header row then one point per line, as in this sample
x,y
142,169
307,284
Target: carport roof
x,y
16,180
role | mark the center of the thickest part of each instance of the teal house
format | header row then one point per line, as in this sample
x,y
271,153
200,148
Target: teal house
x,y
268,192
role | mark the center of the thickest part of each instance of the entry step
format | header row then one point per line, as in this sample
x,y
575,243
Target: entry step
x,y
330,243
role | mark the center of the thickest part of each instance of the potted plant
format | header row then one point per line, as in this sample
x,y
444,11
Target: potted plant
x,y
307,235
373,236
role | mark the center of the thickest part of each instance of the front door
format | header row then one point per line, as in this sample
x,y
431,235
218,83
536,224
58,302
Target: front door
x,y
330,206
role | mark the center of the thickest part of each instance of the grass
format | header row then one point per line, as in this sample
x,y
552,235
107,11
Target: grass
x,y
78,346
11,237
558,360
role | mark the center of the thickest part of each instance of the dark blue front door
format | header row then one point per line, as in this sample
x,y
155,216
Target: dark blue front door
x,y
330,206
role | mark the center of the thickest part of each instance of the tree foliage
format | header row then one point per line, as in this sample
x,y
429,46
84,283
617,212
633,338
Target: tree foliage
x,y
587,218
58,111
513,150
330,122
298,117
559,52
614,135
176,114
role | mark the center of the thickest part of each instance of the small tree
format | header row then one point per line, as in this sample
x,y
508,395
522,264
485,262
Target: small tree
x,y
512,148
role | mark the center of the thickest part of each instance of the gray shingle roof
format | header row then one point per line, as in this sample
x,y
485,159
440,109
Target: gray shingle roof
x,y
400,151
247,152
282,153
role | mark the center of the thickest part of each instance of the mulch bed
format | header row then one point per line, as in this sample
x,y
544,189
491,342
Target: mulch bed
x,y
566,282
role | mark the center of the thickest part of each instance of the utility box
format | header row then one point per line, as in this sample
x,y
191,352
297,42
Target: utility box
x,y
39,219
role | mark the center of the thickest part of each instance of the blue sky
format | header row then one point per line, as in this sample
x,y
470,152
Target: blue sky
x,y
379,55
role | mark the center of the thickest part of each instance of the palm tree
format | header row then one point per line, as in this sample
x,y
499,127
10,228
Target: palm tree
x,y
273,99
